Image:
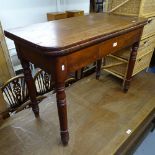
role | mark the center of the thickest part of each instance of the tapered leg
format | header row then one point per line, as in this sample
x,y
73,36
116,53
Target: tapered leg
x,y
62,112
130,68
31,86
98,68
82,74
60,76
76,75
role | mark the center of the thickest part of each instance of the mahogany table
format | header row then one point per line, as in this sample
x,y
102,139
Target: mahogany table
x,y
61,47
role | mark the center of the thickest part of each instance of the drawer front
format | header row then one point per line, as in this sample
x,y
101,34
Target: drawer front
x,y
82,58
117,43
142,63
146,45
149,29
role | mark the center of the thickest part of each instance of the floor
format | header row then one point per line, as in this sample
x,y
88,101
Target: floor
x,y
99,116
147,146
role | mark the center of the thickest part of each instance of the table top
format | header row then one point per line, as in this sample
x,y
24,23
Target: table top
x,y
79,31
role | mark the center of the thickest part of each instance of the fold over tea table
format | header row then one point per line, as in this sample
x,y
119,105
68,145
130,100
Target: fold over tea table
x,y
61,47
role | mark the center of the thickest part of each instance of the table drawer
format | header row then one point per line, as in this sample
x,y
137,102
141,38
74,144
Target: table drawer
x,y
117,43
82,58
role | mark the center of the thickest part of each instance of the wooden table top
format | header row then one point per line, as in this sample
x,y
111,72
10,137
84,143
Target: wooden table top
x,y
71,32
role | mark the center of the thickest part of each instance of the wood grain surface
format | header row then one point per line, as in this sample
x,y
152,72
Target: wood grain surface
x,y
56,35
99,116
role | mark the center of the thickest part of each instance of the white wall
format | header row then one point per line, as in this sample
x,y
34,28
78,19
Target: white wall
x,y
17,13
64,5
78,5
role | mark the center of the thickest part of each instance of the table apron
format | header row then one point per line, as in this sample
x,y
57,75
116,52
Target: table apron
x,y
81,58
76,60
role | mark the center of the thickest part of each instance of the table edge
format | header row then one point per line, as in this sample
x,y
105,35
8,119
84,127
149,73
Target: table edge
x,y
61,51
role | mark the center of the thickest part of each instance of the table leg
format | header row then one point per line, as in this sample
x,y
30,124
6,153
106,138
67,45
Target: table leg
x,y
76,75
62,111
79,74
82,74
98,68
130,68
31,86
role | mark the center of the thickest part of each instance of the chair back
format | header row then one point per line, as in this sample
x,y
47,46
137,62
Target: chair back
x,y
15,92
43,82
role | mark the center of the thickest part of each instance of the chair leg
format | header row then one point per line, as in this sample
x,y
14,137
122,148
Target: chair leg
x,y
98,68
82,74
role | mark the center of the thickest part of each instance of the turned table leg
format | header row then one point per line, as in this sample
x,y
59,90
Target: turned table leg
x,y
82,73
31,86
98,68
130,68
60,76
62,112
